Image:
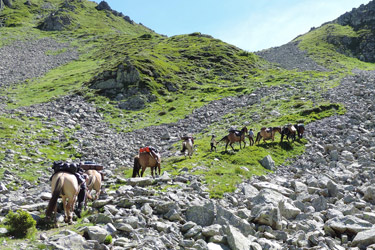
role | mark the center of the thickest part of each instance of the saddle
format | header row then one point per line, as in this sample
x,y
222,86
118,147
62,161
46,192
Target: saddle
x,y
236,132
268,130
148,150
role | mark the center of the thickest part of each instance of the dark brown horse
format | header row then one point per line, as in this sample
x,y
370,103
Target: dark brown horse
x,y
267,133
235,136
289,131
300,129
144,160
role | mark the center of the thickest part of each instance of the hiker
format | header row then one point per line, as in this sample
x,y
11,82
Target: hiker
x,y
251,137
213,143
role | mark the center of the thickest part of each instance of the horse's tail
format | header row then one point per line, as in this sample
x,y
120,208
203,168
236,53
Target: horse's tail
x,y
258,137
183,147
55,196
224,138
92,179
136,167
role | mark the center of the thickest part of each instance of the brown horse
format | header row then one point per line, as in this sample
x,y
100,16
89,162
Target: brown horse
x,y
94,181
144,160
289,131
235,136
65,185
267,133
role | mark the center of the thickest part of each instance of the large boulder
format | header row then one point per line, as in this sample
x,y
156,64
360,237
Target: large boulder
x,y
364,239
349,224
268,163
201,213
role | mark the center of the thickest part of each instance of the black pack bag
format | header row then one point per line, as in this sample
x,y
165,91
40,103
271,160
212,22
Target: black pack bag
x,y
59,166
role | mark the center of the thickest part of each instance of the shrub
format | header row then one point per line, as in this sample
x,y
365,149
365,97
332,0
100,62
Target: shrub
x,y
20,224
108,240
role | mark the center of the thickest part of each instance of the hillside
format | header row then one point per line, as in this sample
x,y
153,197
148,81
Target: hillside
x,y
80,81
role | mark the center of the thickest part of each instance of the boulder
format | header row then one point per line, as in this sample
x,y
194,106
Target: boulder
x,y
203,214
268,163
346,225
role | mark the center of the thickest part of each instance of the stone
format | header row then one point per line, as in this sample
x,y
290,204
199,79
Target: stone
x,y
364,239
202,214
268,163
96,233
236,240
346,225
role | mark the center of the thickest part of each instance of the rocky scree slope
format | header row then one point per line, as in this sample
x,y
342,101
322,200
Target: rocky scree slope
x,y
324,199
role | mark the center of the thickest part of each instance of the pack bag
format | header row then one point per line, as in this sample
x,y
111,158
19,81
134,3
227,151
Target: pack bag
x,y
59,166
87,165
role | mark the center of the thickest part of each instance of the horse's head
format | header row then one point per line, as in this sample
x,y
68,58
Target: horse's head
x,y
244,130
277,129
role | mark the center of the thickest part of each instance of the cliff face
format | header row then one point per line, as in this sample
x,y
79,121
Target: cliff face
x,y
362,20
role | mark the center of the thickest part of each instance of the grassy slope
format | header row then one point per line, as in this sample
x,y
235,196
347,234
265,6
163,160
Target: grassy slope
x,y
202,68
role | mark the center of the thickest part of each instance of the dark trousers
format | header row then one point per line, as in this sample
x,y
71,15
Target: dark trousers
x,y
213,146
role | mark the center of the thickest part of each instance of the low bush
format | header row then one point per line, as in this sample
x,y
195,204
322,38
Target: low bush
x,y
20,224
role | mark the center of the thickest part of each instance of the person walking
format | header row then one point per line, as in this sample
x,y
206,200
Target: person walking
x,y
251,137
213,143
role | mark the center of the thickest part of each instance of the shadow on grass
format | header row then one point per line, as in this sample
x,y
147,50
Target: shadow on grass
x,y
267,145
286,145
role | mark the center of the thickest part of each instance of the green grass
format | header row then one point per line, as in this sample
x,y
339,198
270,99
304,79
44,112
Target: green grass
x,y
315,43
29,145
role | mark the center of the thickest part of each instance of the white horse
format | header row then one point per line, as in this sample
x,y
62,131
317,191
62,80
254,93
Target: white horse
x,y
187,144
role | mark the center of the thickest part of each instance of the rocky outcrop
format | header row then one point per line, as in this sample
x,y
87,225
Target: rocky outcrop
x,y
124,85
362,20
103,5
56,22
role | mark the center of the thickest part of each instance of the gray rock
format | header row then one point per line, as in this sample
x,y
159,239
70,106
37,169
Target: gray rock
x,y
346,225
268,163
364,239
236,240
202,214
96,233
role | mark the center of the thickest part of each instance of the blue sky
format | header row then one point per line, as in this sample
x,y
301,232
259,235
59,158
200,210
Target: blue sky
x,y
251,25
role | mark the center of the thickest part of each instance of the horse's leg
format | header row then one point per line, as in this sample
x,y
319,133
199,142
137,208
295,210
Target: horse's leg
x,y
97,193
152,172
64,201
231,146
143,170
226,146
71,203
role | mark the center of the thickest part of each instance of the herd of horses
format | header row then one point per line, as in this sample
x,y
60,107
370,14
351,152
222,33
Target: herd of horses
x,y
65,184
289,132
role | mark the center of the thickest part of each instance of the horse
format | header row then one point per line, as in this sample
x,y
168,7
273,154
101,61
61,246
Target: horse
x,y
290,132
235,136
94,181
267,134
63,184
187,144
144,160
300,129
